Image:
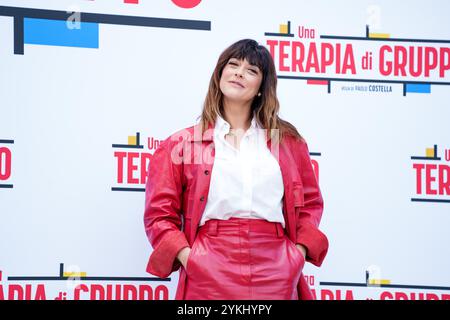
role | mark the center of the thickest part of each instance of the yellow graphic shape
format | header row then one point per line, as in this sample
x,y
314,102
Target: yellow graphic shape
x,y
429,152
284,28
379,281
379,35
132,140
74,274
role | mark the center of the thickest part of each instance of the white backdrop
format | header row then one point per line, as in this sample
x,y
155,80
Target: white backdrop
x,y
71,200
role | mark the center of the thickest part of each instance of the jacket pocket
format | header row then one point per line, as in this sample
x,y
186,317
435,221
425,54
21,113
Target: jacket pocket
x,y
189,258
297,255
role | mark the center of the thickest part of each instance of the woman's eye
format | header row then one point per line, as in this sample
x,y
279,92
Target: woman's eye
x,y
253,71
233,63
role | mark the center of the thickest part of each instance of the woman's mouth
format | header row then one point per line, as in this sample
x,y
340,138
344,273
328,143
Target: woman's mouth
x,y
237,84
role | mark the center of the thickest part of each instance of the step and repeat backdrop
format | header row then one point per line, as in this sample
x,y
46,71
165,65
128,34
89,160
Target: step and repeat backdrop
x,y
88,90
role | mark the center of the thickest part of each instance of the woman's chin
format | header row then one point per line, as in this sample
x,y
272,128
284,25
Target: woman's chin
x,y
235,97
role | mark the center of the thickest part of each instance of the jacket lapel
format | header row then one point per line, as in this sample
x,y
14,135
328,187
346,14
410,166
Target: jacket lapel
x,y
203,143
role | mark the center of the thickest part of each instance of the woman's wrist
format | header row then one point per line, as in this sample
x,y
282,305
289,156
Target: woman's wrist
x,y
302,249
183,255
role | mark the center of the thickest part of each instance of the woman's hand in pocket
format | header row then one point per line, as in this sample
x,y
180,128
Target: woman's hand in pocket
x,y
183,256
302,249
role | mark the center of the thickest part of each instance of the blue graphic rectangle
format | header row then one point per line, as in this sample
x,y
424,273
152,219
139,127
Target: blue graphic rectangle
x,y
419,88
58,33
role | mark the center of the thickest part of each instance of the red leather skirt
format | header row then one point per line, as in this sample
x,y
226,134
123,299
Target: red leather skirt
x,y
243,259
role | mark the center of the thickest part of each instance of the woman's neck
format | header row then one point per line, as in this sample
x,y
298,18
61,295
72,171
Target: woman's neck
x,y
237,115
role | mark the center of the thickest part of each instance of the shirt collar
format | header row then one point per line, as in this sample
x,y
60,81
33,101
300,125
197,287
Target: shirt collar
x,y
222,126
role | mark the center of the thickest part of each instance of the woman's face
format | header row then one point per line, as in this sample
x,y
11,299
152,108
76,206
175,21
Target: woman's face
x,y
240,80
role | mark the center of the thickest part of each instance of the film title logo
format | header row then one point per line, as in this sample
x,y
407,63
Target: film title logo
x,y
302,54
377,288
6,163
76,285
131,161
432,176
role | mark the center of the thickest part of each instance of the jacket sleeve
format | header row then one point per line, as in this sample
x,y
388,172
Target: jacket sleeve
x,y
162,215
310,213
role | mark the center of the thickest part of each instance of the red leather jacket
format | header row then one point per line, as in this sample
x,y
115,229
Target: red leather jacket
x,y
177,189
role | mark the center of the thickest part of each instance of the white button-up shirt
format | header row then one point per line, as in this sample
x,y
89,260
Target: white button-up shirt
x,y
245,183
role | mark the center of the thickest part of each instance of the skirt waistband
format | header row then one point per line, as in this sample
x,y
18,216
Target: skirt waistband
x,y
214,227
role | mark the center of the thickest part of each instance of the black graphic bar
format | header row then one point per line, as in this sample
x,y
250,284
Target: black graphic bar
x,y
138,138
62,277
20,13
367,37
426,158
361,80
6,186
128,189
430,200
18,35
6,141
25,278
276,34
107,18
384,39
343,284
434,157
61,270
130,146
315,154
348,284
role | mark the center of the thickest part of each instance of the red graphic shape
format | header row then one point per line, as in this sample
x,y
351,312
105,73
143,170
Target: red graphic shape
x,y
5,163
187,4
320,82
131,1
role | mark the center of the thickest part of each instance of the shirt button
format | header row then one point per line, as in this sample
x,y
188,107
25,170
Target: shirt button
x,y
202,198
206,172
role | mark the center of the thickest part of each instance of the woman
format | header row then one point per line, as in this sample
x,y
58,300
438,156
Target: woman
x,y
233,201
